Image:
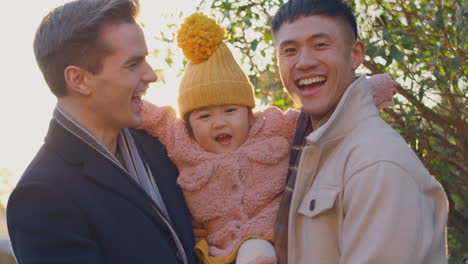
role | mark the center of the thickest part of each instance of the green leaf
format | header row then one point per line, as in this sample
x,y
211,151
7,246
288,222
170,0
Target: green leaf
x,y
371,50
169,61
160,73
389,61
267,37
412,58
380,52
247,21
254,45
396,54
456,63
442,84
407,42
421,93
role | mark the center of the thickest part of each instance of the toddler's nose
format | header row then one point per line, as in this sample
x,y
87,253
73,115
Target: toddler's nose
x,y
219,122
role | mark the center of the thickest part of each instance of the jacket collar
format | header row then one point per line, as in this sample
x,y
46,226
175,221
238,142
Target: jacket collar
x,y
84,134
97,168
355,106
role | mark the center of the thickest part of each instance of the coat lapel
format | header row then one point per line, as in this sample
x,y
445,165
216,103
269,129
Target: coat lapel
x,y
165,175
157,167
99,169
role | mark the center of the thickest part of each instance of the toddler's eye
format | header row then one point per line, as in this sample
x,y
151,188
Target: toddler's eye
x,y
203,116
230,110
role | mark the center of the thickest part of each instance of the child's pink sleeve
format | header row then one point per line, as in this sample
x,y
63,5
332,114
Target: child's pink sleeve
x,y
382,88
290,118
280,123
160,122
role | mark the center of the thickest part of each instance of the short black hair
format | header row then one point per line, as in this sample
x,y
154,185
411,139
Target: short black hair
x,y
295,9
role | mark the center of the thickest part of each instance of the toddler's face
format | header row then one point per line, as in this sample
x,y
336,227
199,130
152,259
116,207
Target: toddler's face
x,y
222,128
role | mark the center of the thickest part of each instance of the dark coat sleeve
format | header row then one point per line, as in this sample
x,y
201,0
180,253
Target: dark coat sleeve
x,y
41,221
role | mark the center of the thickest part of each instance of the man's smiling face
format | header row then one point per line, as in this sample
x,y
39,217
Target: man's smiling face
x,y
117,89
317,56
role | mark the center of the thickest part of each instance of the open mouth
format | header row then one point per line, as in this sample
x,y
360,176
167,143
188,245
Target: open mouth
x,y
136,98
223,139
310,84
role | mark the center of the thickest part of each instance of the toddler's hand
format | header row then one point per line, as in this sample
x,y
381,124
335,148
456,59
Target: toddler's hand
x,y
256,251
263,260
382,88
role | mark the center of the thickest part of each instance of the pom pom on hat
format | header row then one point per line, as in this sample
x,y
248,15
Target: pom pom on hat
x,y
199,36
212,76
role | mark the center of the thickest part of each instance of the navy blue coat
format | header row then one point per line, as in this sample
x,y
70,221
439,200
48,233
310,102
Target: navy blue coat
x,y
74,206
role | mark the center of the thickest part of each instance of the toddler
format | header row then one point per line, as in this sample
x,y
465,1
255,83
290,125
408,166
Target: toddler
x,y
233,162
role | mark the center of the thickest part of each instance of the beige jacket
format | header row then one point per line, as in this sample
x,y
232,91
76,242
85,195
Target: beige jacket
x,y
362,195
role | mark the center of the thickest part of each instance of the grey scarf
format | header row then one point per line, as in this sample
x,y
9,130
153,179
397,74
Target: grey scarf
x,y
135,166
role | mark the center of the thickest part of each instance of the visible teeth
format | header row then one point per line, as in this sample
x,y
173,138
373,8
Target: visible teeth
x,y
312,80
140,93
223,136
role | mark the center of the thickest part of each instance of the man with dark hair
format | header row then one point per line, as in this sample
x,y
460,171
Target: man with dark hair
x,y
361,195
98,191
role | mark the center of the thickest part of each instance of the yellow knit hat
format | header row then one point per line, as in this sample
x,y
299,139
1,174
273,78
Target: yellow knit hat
x,y
212,76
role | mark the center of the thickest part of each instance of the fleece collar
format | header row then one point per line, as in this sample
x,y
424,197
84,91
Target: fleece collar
x,y
355,105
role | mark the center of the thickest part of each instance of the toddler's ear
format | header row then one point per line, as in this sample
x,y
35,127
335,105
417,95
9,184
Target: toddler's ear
x,y
382,88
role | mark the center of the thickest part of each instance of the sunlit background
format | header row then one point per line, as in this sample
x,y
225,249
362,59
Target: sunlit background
x,y
25,102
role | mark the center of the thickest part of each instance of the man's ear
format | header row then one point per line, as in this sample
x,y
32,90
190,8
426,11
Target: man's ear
x,y
77,79
358,52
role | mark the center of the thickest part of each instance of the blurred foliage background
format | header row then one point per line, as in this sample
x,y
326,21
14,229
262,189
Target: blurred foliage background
x,y
423,44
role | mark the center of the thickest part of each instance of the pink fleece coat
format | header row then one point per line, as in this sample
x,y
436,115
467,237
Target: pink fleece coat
x,y
235,194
